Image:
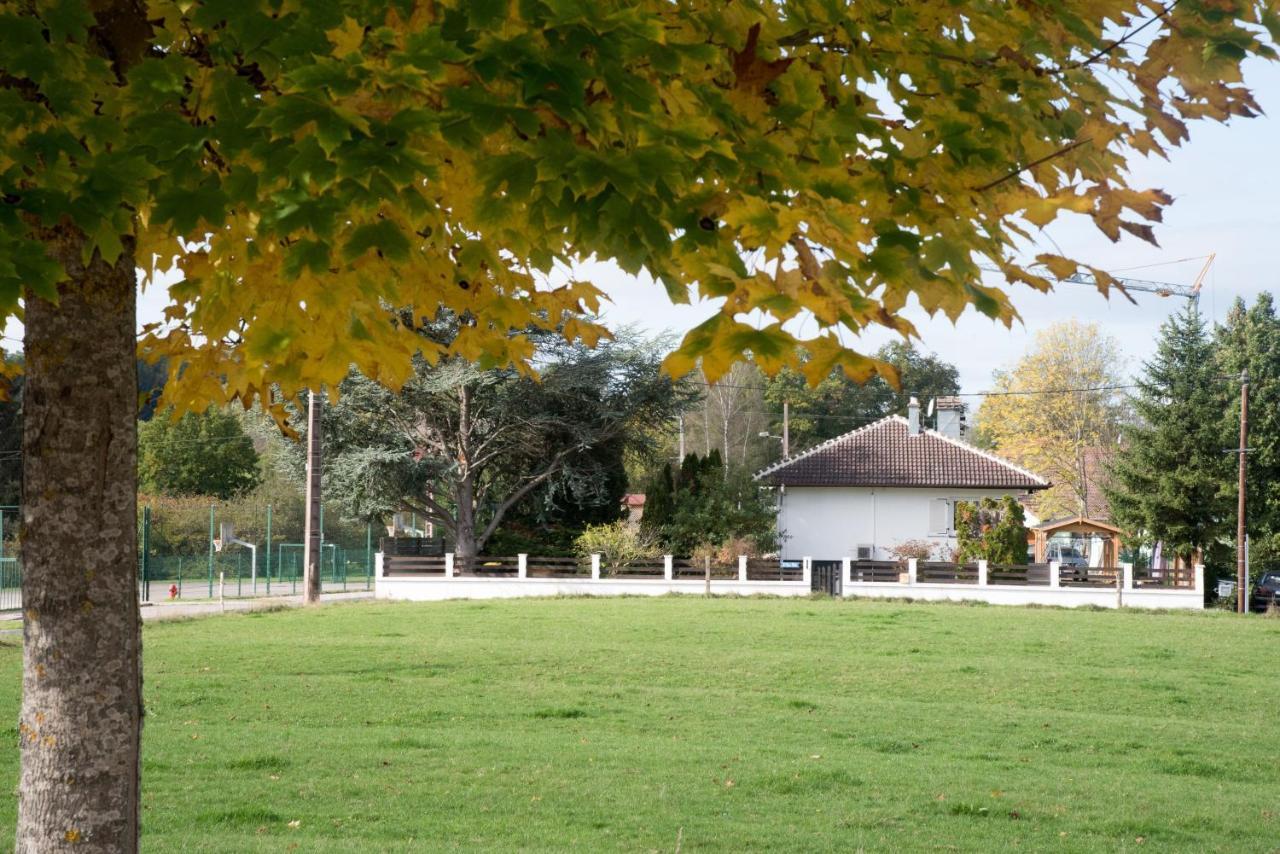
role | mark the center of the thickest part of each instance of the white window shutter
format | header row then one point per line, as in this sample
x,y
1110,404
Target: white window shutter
x,y
939,516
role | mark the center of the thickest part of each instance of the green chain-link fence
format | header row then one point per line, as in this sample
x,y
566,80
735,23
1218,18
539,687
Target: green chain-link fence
x,y
272,567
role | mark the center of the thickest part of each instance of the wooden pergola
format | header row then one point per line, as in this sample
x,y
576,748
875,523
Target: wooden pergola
x,y
1083,526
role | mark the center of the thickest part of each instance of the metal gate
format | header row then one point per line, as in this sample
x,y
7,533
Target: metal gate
x,y
826,577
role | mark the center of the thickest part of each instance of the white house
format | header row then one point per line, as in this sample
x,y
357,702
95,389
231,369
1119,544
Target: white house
x,y
861,494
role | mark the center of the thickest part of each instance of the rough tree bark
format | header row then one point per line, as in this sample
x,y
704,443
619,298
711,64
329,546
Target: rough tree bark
x,y
465,547
81,717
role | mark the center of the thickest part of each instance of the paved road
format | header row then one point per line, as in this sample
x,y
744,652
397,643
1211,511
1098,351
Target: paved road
x,y
185,608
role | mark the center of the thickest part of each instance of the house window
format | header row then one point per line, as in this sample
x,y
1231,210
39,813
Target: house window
x,y
942,515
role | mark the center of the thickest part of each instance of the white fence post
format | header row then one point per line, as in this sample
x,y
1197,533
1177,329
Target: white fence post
x,y
522,566
806,571
913,566
1055,574
1199,577
846,573
378,565
595,567
742,567
982,573
668,567
448,564
1128,575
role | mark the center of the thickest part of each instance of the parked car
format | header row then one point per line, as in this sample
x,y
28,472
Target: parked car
x,y
1266,591
1066,556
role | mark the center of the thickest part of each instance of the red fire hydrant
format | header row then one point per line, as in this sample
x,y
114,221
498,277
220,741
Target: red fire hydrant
x,y
173,591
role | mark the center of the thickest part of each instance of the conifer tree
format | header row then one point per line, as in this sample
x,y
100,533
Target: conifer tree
x,y
1250,340
1166,480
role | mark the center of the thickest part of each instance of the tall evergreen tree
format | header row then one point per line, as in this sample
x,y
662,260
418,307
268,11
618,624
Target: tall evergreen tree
x,y
659,500
1166,480
1250,340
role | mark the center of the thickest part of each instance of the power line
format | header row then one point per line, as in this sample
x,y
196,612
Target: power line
x,y
989,393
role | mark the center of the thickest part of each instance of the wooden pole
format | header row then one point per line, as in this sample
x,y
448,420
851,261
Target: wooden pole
x,y
1242,573
786,429
311,540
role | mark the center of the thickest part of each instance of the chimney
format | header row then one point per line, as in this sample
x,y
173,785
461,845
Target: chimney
x,y
913,417
951,417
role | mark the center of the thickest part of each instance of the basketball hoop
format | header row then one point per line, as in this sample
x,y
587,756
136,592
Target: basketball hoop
x,y
226,534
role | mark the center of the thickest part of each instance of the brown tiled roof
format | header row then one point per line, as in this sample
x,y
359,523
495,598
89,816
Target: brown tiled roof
x,y
884,454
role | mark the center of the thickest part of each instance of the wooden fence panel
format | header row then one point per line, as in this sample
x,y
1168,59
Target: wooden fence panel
x,y
412,565
1088,576
647,568
488,566
1033,574
941,572
760,569
558,567
882,571
413,546
1184,579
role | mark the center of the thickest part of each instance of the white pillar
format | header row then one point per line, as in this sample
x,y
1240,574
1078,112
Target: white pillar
x,y
668,567
595,567
742,567
377,565
448,564
846,573
982,573
1199,578
522,566
1128,575
912,566
806,571
1055,574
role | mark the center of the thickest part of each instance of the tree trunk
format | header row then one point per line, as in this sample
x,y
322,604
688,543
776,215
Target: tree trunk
x,y
81,717
465,547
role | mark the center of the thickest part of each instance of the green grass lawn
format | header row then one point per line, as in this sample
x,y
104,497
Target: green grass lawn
x,y
721,725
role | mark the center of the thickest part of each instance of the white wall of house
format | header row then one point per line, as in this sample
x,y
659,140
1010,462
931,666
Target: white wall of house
x,y
831,522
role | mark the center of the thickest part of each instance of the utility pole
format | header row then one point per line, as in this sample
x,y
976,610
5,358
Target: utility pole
x,y
786,429
311,539
1242,570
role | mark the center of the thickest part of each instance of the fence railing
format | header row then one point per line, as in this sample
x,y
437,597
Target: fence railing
x,y
241,573
667,567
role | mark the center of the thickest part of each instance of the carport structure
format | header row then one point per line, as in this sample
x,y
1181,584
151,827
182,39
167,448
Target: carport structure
x,y
1083,528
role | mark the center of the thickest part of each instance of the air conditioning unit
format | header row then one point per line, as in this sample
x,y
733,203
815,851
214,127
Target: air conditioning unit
x,y
866,552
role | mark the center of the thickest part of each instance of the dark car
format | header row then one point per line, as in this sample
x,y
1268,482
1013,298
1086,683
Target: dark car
x,y
1266,591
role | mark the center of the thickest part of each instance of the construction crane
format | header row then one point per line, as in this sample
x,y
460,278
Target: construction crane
x,y
1164,289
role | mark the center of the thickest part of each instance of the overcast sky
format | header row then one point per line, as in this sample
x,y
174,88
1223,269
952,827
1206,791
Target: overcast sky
x,y
1226,182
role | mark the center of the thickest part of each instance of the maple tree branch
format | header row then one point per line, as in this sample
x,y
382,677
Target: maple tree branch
x,y
1124,39
808,263
1033,164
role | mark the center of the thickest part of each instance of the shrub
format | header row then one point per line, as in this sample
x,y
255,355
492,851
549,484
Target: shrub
x,y
991,530
617,543
908,549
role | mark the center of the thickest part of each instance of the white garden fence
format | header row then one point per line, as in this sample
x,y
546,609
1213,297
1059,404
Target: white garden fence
x,y
445,577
